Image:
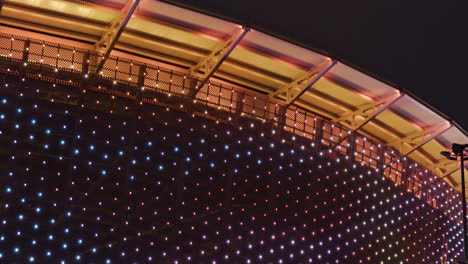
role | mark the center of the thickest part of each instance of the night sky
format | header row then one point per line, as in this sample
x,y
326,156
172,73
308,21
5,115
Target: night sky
x,y
420,46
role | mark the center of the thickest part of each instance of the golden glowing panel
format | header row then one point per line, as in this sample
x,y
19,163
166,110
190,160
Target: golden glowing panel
x,y
266,63
421,158
236,69
283,49
332,107
340,93
360,81
69,8
378,132
186,17
434,148
412,110
172,34
52,21
156,46
397,122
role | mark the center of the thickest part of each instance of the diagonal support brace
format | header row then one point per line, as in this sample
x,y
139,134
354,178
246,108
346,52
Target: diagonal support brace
x,y
109,38
416,139
365,113
296,88
211,63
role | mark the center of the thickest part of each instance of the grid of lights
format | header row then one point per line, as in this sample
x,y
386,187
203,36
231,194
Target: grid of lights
x,y
67,65
141,183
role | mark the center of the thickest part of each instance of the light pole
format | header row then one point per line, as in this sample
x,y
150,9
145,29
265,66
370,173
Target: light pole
x,y
458,153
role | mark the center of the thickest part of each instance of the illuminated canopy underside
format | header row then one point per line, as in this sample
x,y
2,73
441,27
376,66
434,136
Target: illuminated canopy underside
x,y
210,47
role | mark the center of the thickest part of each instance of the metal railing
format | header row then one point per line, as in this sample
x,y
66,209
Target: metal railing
x,y
147,83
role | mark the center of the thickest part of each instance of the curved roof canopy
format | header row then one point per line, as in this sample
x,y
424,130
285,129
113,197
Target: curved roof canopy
x,y
211,47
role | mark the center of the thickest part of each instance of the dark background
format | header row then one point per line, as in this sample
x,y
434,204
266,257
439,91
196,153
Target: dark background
x,y
420,46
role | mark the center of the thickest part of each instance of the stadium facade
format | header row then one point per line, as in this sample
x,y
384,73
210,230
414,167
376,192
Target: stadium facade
x,y
149,132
